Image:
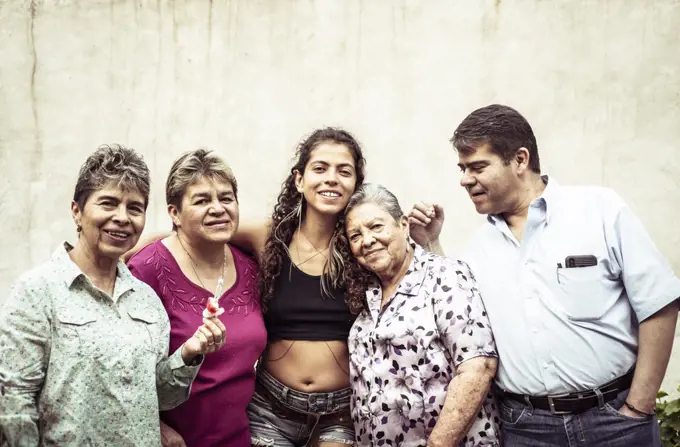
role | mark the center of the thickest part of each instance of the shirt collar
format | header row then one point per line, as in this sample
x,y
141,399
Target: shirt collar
x,y
549,196
415,275
71,272
546,200
67,268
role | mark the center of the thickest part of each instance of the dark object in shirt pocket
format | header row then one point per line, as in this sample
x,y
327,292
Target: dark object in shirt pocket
x,y
580,261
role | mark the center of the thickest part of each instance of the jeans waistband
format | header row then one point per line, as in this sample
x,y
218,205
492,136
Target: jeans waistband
x,y
578,402
315,403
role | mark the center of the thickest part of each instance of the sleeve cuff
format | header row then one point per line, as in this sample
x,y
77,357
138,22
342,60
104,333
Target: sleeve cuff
x,y
179,369
656,305
475,354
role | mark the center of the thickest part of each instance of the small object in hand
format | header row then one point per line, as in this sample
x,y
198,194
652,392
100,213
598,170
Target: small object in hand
x,y
212,308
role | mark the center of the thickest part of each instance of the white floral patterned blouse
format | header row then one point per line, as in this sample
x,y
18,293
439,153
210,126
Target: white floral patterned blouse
x,y
403,356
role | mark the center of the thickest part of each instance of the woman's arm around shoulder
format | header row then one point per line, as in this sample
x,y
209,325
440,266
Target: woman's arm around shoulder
x,y
252,237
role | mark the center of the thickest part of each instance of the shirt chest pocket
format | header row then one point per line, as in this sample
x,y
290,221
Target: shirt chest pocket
x,y
584,292
145,330
79,334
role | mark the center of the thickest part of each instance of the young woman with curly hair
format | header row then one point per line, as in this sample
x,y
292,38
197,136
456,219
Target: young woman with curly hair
x,y
311,293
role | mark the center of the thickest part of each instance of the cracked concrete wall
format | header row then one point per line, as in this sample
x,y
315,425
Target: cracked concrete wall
x,y
597,79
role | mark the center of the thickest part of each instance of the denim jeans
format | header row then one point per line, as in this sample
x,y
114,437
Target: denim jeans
x,y
283,417
523,426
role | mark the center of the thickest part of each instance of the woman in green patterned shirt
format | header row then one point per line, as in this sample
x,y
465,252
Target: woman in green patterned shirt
x,y
84,344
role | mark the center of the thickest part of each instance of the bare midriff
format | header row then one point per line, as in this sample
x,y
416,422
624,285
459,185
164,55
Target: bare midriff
x,y
309,366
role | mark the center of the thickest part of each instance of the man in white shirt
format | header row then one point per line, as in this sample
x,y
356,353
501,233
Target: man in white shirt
x,y
582,305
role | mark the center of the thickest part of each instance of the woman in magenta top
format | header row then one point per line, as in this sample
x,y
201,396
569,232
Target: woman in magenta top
x,y
187,268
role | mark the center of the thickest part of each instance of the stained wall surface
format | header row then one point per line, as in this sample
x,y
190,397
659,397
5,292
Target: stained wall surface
x,y
598,80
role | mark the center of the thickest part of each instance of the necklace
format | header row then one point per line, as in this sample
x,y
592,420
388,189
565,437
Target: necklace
x,y
220,281
318,252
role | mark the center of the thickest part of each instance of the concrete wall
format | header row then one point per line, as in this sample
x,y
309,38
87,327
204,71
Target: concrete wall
x,y
599,81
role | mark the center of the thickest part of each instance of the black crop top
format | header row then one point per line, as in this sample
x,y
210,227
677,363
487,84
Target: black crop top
x,y
298,310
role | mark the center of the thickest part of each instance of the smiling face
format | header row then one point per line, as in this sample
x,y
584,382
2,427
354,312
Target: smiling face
x,y
492,184
209,212
378,242
111,221
329,178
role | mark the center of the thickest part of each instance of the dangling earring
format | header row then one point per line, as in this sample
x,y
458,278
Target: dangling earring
x,y
298,208
79,227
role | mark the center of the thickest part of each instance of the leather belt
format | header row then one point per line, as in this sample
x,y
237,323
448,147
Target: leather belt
x,y
570,403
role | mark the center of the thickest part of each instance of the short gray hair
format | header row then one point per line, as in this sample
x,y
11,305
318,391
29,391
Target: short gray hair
x,y
378,194
191,167
112,165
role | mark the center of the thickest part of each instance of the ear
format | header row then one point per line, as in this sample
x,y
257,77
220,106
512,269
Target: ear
x,y
173,212
298,181
522,159
403,225
76,213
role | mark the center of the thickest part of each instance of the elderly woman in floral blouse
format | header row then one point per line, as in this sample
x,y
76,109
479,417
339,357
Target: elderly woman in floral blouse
x,y
422,352
83,344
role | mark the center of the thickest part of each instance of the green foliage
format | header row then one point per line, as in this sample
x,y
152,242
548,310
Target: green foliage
x,y
668,412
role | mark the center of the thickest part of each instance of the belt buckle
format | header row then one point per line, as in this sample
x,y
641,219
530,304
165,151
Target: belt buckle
x,y
551,403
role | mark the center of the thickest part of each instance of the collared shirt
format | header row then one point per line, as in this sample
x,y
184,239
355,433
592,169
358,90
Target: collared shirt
x,y
79,367
403,356
561,329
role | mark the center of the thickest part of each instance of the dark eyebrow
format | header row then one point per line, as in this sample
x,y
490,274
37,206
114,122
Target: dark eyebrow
x,y
200,195
325,163
112,198
226,193
474,164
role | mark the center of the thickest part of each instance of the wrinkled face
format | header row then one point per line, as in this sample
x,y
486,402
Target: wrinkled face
x,y
378,242
491,183
329,178
112,219
209,212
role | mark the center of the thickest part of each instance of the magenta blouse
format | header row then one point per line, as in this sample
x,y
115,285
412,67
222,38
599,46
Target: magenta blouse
x,y
215,414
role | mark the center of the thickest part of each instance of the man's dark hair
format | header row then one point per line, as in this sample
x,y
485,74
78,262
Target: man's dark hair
x,y
503,128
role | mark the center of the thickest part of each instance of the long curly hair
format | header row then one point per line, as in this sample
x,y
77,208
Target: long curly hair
x,y
340,273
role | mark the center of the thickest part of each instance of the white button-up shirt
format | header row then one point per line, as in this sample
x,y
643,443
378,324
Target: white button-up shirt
x,y
561,329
